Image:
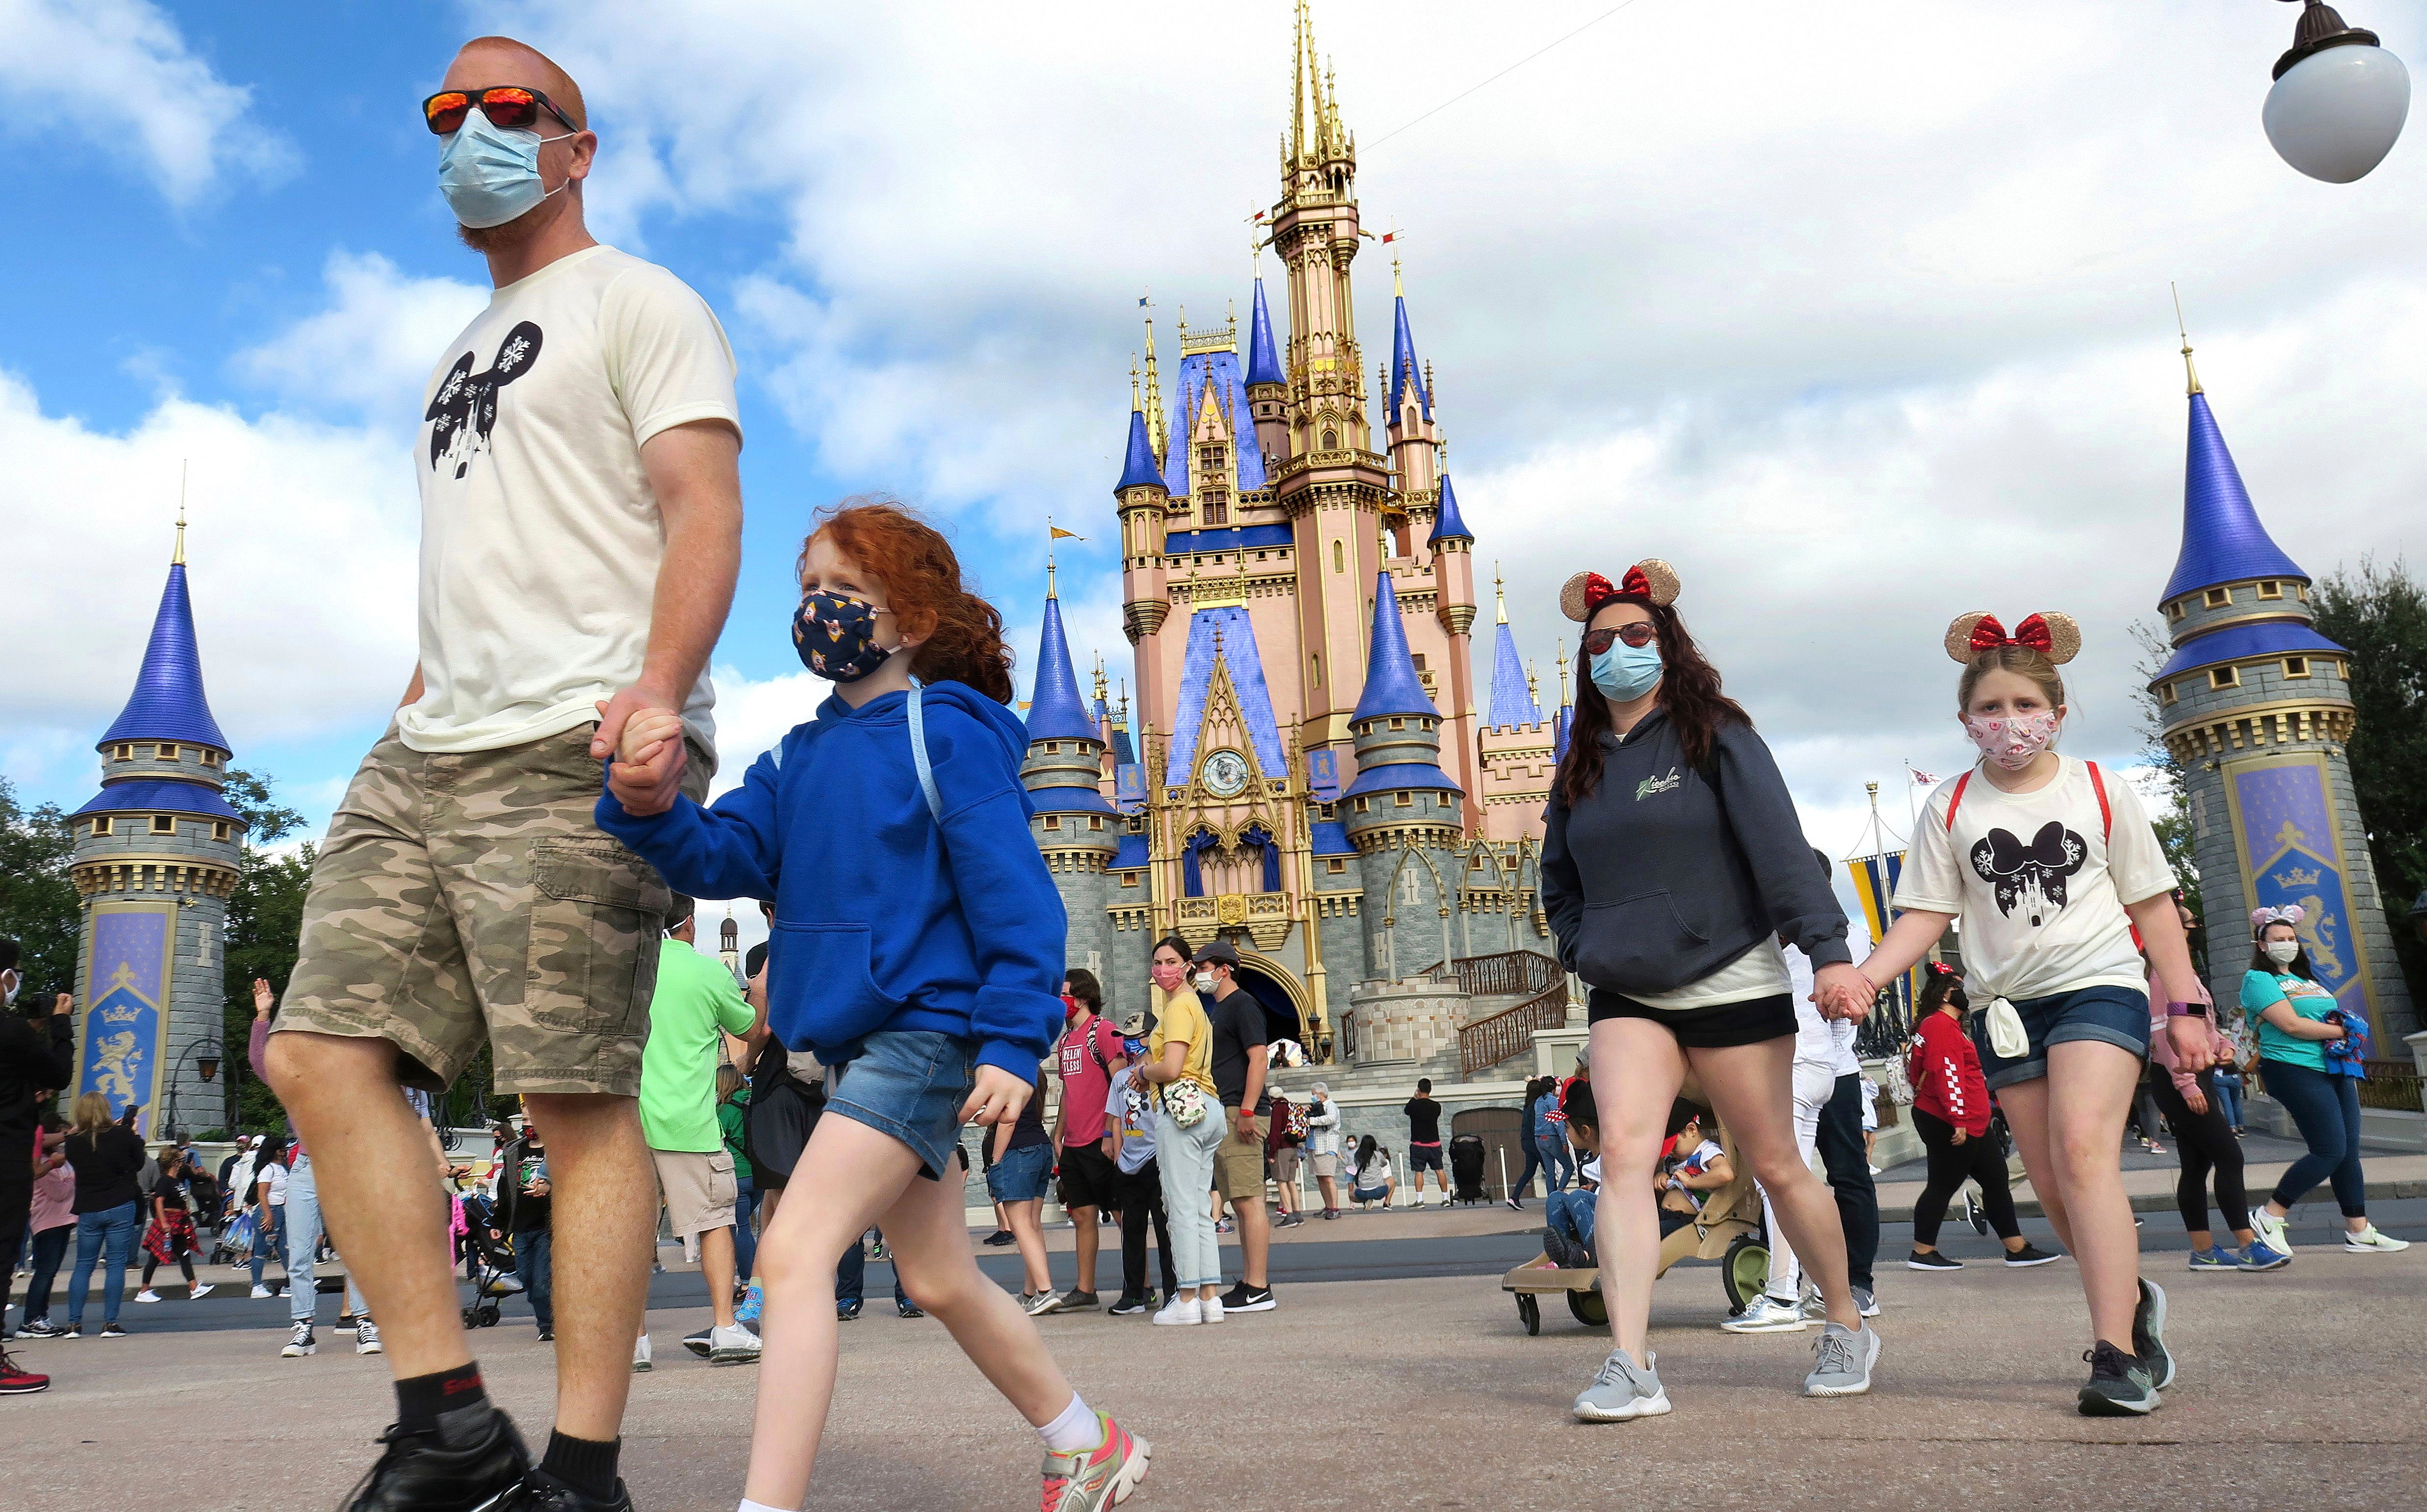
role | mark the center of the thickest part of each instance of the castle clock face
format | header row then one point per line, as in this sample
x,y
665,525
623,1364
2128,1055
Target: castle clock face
x,y
1226,773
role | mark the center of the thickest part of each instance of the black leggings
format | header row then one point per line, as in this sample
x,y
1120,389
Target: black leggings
x,y
185,1263
1950,1165
2205,1141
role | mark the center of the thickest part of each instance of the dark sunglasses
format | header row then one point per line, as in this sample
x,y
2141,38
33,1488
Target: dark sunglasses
x,y
1638,634
505,104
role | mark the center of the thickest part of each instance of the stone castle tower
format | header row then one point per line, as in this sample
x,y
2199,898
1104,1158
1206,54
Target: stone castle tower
x,y
1310,779
2258,709
157,855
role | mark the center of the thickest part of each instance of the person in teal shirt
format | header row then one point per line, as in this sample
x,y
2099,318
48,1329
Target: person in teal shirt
x,y
2291,1007
696,1005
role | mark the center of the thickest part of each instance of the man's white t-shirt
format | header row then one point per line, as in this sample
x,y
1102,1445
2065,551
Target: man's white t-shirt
x,y
540,535
2039,882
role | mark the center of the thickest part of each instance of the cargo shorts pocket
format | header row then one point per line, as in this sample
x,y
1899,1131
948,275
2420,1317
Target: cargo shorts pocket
x,y
597,912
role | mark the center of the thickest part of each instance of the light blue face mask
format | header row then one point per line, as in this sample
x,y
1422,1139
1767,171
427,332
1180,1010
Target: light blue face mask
x,y
1625,673
490,173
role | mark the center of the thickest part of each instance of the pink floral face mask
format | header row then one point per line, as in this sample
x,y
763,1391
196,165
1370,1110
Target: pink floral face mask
x,y
2012,742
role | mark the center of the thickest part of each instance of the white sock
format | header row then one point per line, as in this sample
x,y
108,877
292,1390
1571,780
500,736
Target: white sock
x,y
749,1505
1075,1429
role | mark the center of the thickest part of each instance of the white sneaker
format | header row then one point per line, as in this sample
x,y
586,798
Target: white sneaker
x,y
641,1354
733,1345
367,1339
197,1293
1181,1312
2270,1230
2369,1242
300,1342
1212,1308
147,1295
1765,1314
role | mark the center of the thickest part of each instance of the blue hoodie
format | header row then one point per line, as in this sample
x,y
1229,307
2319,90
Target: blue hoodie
x,y
884,919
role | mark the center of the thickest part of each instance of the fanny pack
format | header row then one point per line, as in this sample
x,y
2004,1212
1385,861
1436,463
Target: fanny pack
x,y
2007,1036
1183,1103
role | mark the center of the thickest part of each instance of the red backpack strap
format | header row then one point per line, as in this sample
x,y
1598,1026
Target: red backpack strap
x,y
2106,811
1956,797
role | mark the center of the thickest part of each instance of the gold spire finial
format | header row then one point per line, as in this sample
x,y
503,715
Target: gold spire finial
x,y
178,559
1563,675
1533,684
2190,373
1154,426
1398,286
1099,677
1133,382
1499,599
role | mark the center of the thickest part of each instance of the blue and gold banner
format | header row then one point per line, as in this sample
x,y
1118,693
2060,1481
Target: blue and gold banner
x,y
1875,884
2291,852
126,1024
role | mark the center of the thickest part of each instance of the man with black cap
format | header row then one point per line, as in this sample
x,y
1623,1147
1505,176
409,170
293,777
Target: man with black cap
x,y
1238,1021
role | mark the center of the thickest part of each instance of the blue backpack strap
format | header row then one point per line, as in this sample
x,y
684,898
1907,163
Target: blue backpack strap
x,y
918,751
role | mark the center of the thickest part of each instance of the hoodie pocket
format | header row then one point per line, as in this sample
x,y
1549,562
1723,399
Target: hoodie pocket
x,y
818,984
1634,944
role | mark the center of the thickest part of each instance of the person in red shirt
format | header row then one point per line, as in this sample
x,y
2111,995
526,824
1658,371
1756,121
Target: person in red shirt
x,y
1950,1112
1090,1048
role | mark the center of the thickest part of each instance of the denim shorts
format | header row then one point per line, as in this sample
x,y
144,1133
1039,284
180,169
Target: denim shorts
x,y
2110,1015
911,1083
1021,1175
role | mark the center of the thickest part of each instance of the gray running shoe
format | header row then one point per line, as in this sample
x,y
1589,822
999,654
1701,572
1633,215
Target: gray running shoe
x,y
2121,1385
1622,1391
1867,1301
2149,1334
1841,1361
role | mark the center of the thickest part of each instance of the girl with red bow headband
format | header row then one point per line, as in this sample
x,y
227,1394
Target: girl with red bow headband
x,y
2060,884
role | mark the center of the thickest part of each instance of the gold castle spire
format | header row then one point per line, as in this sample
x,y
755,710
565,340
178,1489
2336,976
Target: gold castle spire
x,y
178,558
2190,373
1499,599
1154,429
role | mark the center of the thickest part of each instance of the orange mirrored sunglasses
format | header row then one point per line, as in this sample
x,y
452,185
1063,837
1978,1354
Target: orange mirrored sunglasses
x,y
505,104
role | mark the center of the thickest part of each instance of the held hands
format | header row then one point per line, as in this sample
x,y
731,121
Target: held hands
x,y
648,749
1843,992
2188,1038
65,1004
2195,1100
996,1098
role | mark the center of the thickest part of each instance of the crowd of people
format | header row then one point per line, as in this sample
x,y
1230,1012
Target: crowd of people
x,y
477,887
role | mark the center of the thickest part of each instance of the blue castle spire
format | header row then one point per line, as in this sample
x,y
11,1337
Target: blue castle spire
x,y
1137,467
1448,522
1403,371
1512,700
167,702
1409,754
1055,710
1264,362
1390,685
2222,541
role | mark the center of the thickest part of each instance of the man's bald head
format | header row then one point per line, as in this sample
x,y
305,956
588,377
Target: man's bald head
x,y
486,61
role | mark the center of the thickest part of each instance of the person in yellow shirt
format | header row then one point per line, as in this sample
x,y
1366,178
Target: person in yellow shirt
x,y
1189,1127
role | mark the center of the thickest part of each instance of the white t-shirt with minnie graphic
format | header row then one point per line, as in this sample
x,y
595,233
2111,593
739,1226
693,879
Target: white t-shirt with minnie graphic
x,y
2040,880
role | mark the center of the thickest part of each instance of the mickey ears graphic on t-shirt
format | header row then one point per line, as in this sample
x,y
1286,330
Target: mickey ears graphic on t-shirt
x,y
2053,635
465,409
1651,579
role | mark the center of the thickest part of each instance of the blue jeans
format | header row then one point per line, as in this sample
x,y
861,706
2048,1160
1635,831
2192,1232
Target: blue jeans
x,y
850,1276
50,1245
267,1234
2326,1107
1570,1215
109,1233
303,1241
745,1242
1533,1163
2228,1096
531,1268
1558,1160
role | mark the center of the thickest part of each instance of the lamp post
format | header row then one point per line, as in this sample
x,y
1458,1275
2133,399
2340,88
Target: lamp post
x,y
206,1062
2340,99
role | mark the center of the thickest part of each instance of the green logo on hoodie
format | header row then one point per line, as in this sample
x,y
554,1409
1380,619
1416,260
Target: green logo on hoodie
x,y
1649,786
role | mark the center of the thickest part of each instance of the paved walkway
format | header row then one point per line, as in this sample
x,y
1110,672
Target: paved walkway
x,y
2298,1389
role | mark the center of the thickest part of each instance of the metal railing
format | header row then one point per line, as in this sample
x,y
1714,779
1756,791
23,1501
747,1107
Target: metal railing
x,y
2393,1084
1487,1041
1500,975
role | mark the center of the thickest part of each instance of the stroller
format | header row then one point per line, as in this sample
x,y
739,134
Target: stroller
x,y
1466,1169
488,1262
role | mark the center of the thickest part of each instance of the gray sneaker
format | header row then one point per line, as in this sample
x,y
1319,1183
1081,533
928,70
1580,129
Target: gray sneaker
x,y
1867,1301
1622,1391
2149,1334
1841,1361
2121,1385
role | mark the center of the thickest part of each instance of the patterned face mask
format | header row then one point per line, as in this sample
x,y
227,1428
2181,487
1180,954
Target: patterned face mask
x,y
2012,743
836,635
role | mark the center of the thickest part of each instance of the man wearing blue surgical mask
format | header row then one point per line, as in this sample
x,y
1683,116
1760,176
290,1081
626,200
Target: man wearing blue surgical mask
x,y
582,519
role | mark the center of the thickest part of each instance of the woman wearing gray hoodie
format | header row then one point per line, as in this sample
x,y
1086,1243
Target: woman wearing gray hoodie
x,y
1672,866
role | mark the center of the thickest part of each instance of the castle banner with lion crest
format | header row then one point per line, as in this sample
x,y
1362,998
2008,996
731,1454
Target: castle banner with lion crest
x,y
127,974
2291,852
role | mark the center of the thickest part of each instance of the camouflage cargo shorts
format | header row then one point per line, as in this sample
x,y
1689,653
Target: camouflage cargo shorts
x,y
463,897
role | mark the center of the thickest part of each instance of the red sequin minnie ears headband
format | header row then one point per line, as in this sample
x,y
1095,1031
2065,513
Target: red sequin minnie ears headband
x,y
2053,635
1652,580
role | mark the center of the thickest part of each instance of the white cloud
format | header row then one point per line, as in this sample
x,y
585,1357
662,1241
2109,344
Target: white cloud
x,y
117,76
372,348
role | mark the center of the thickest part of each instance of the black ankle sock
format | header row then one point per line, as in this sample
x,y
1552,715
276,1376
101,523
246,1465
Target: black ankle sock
x,y
583,1464
419,1399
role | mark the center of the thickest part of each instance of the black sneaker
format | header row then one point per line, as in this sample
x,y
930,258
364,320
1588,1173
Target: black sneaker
x,y
1933,1260
1555,1249
1974,1215
2121,1385
471,1461
845,1311
908,1310
543,1492
2030,1254
1075,1300
111,1330
1245,1298
1128,1304
1000,1238
2149,1334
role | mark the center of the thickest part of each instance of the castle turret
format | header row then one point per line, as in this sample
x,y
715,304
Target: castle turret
x,y
1075,826
1142,498
1403,813
1410,416
157,855
1512,690
2259,710
1268,384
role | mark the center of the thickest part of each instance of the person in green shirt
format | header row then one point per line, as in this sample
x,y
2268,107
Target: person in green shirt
x,y
697,1003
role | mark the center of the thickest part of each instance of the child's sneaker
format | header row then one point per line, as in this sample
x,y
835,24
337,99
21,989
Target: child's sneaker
x,y
752,1303
1089,1480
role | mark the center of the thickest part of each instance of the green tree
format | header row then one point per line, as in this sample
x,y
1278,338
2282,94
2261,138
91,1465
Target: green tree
x,y
2174,825
39,906
265,921
2378,614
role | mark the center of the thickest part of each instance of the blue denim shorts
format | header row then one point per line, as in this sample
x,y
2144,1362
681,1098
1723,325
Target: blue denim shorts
x,y
2110,1015
909,1083
1021,1175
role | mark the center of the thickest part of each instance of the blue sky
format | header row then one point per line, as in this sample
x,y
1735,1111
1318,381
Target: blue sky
x,y
1862,327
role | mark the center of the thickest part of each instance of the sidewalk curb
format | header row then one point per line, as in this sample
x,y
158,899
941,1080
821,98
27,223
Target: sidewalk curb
x,y
2164,1201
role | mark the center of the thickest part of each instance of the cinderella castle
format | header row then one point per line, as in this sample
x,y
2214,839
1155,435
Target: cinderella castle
x,y
1311,776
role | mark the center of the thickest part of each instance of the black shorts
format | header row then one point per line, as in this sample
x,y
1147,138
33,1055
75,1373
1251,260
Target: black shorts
x,y
1089,1177
1423,1157
1716,1028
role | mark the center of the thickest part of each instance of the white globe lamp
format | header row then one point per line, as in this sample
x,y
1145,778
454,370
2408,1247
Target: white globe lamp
x,y
2340,99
